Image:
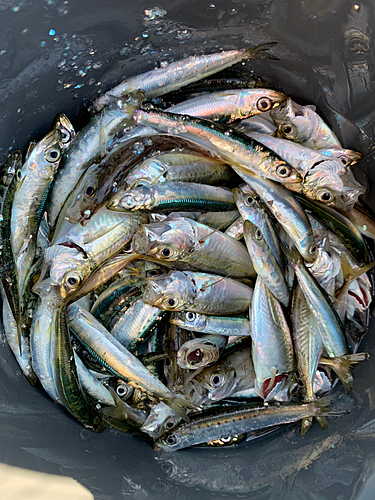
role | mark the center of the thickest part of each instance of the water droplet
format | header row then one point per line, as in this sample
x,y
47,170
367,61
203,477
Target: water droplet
x,y
97,65
52,32
232,12
364,227
212,6
42,44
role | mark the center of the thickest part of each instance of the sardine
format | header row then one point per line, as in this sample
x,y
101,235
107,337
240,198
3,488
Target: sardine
x,y
221,325
180,73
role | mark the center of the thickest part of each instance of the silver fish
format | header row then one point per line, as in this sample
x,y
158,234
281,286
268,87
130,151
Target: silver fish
x,y
201,352
198,292
180,73
221,325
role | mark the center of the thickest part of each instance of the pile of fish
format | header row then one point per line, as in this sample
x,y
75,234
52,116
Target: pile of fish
x,y
189,267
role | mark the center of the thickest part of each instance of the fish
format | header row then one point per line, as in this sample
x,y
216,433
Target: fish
x,y
120,361
221,325
33,183
197,292
136,322
184,240
265,264
178,167
308,348
272,350
173,196
229,105
302,124
180,73
232,374
230,146
101,180
216,423
253,209
201,352
86,147
286,210
161,419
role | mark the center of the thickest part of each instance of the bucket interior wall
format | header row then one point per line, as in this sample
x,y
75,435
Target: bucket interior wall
x,y
57,55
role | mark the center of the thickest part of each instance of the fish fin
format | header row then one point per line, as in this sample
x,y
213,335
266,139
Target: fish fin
x,y
306,424
351,275
331,406
342,366
260,52
322,421
178,405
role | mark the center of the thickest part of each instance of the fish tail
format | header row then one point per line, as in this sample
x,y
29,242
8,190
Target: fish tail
x,y
260,51
179,406
306,424
322,421
342,367
330,406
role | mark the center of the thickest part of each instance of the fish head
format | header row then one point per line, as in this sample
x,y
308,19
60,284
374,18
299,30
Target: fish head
x,y
168,241
140,198
170,441
160,420
332,184
258,101
84,197
197,353
190,320
64,269
291,121
345,156
278,388
249,204
277,169
172,292
149,172
62,123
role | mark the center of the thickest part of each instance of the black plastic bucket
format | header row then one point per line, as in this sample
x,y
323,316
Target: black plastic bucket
x,y
56,55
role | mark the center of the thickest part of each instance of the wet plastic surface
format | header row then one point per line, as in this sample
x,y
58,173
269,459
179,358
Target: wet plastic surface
x,y
55,56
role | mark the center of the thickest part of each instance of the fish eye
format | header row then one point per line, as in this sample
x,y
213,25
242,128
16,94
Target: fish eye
x,y
325,196
19,175
166,252
90,190
286,129
258,234
283,171
52,155
344,160
169,424
153,272
312,249
190,316
126,97
122,390
294,389
172,303
73,280
264,104
249,201
216,380
65,136
172,439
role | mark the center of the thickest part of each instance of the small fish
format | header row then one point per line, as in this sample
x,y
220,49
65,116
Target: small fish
x,y
197,292
180,73
272,351
160,420
230,146
286,210
264,262
221,325
302,124
173,196
184,240
229,105
201,352
217,423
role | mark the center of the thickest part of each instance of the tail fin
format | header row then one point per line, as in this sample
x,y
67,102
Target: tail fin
x,y
331,406
179,404
260,52
342,366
